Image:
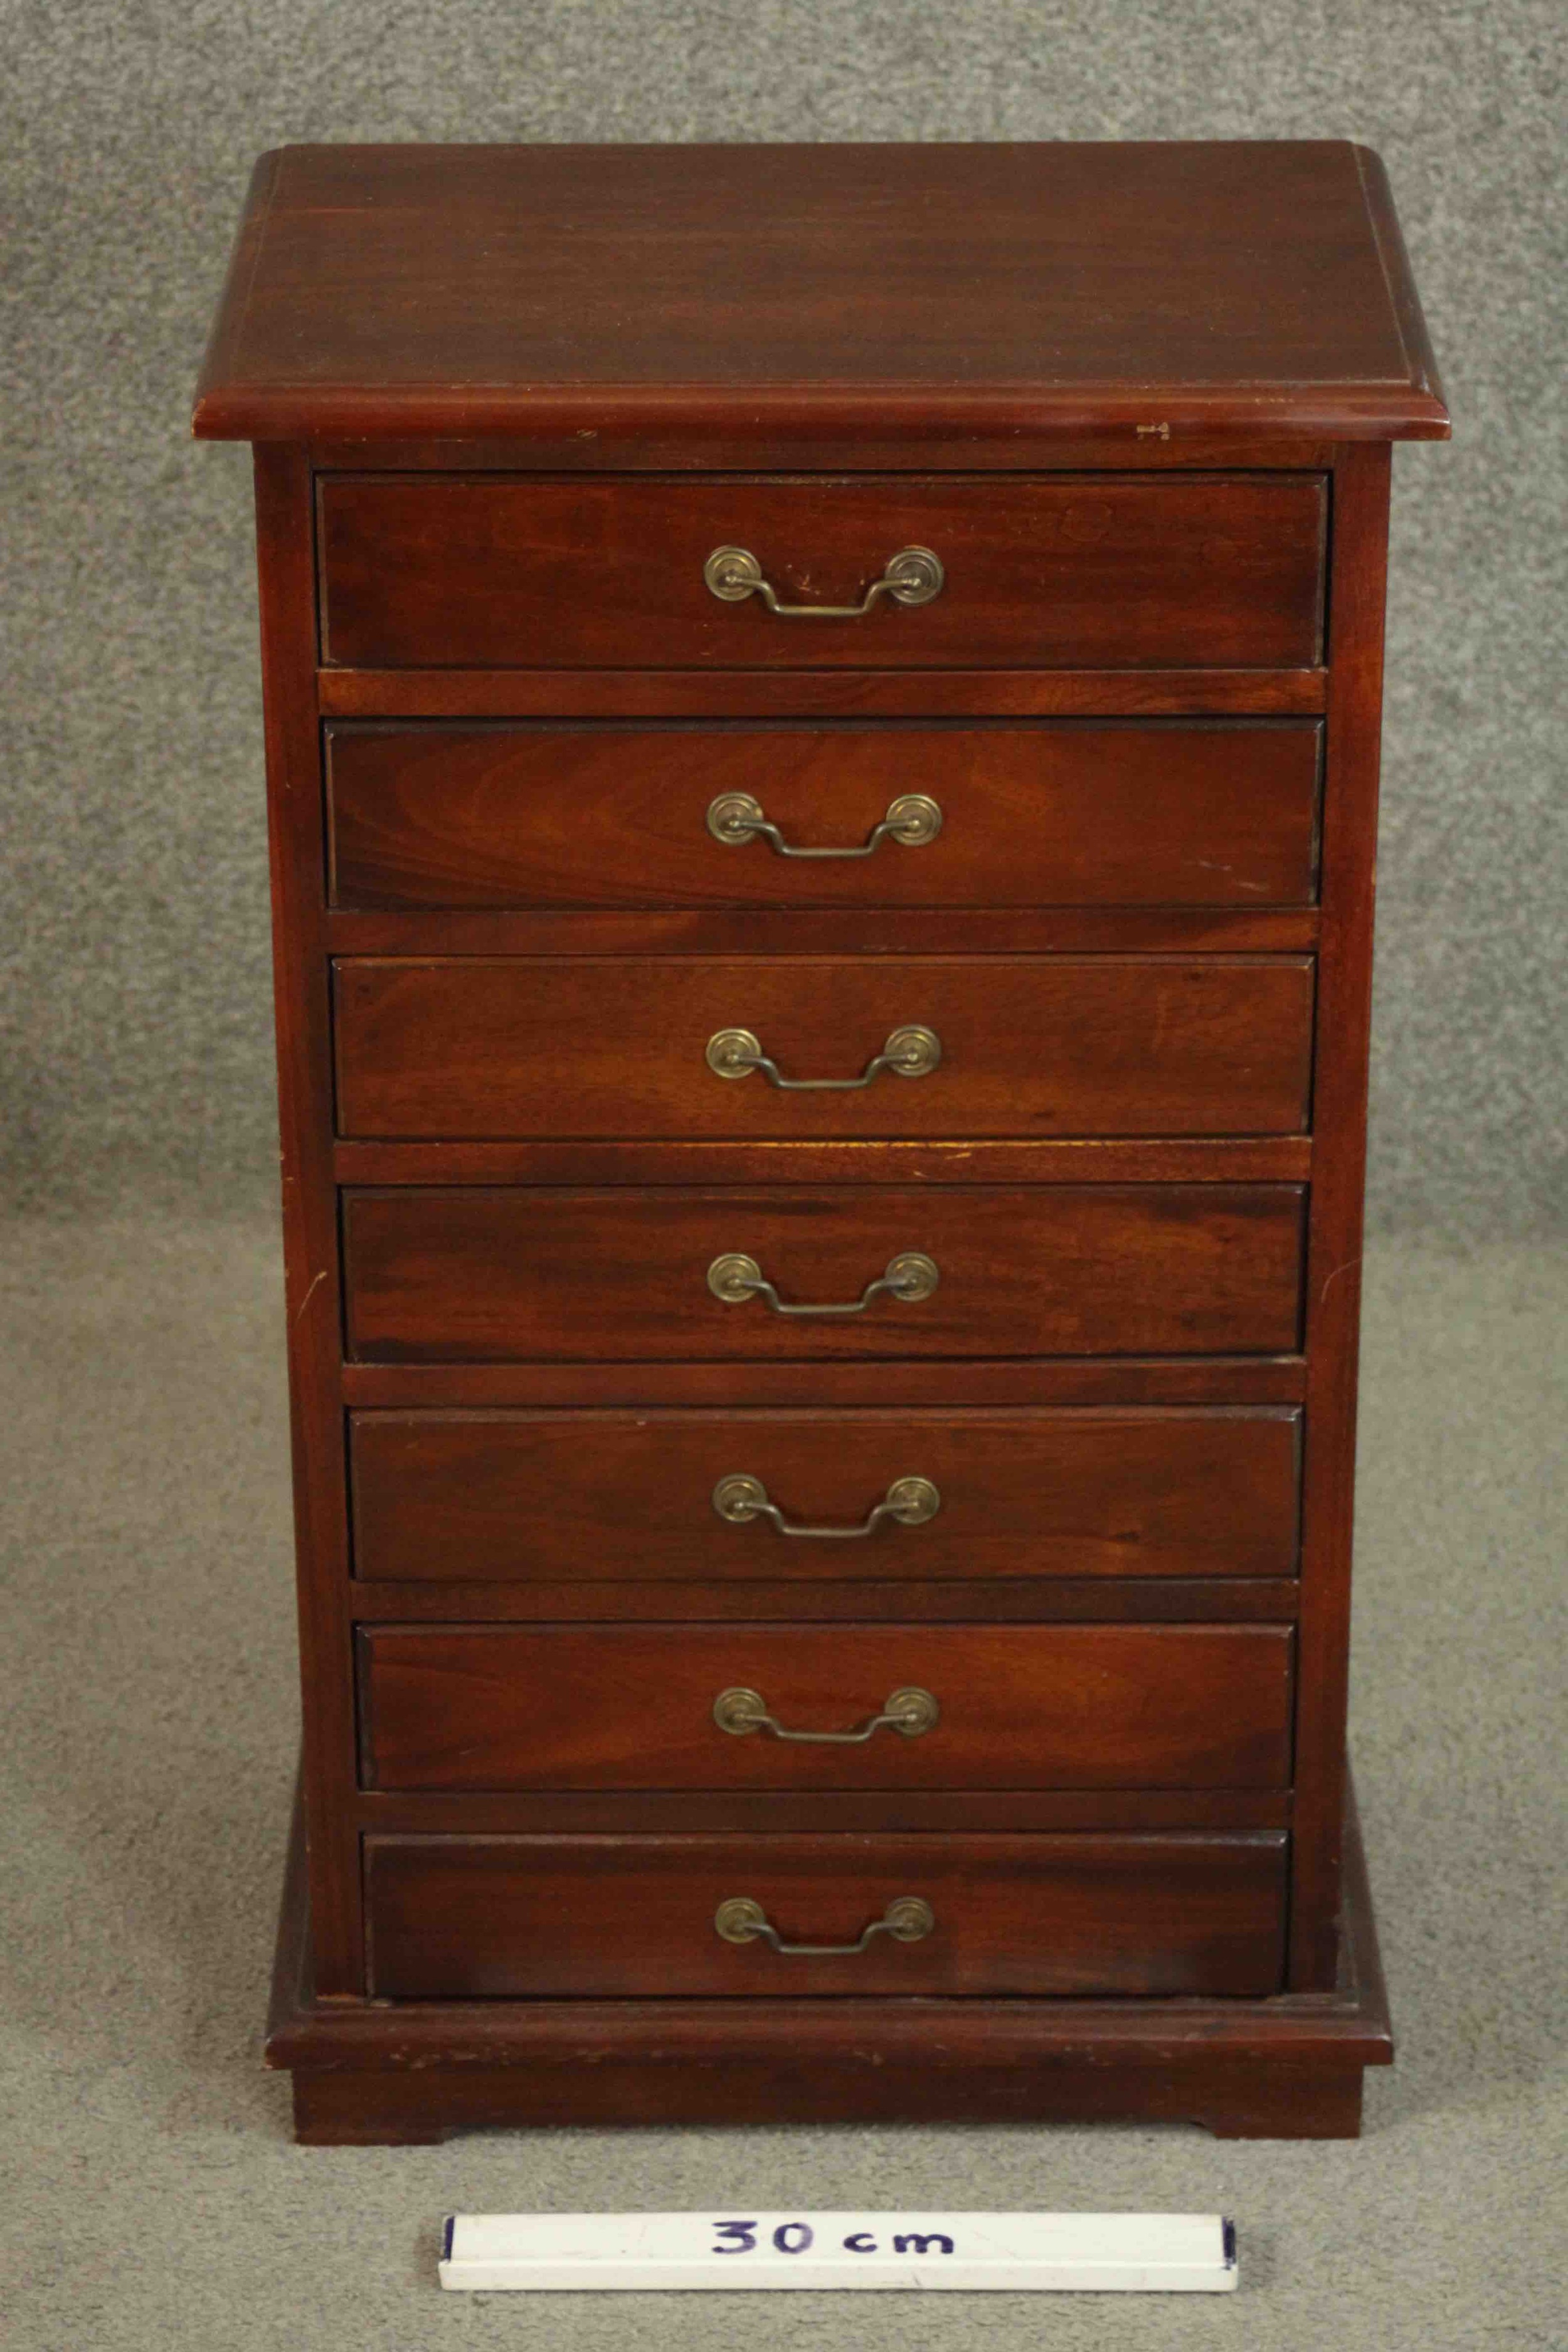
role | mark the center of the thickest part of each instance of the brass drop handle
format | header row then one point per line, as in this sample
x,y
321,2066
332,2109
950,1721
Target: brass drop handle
x,y
910,1711
739,1920
735,818
910,1502
735,1277
913,576
911,1052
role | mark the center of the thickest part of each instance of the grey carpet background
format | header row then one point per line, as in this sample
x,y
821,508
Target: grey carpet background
x,y
150,2195
135,1008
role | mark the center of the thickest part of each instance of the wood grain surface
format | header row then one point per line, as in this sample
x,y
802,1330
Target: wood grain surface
x,y
500,1918
710,694
509,400
499,1272
540,1047
884,291
1053,814
631,1706
1045,572
612,1497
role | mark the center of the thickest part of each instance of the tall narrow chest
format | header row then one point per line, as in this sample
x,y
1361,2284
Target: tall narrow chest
x,y
822,722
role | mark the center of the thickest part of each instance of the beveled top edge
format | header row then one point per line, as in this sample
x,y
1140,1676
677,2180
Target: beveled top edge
x,y
294,355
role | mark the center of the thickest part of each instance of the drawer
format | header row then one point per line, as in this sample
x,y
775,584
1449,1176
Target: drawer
x,y
637,1707
749,1048
1113,572
612,1496
459,1919
509,1273
1057,813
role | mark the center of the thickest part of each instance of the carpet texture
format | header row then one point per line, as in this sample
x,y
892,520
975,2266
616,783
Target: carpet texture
x,y
150,2197
134,998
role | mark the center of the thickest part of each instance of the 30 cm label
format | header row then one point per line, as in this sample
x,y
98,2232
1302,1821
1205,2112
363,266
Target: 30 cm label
x,y
798,2237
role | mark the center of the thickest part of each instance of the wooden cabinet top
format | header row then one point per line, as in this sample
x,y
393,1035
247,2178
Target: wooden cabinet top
x,y
1229,287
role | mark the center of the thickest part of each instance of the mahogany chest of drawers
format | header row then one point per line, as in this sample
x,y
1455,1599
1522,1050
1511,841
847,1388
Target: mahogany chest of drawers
x,y
822,719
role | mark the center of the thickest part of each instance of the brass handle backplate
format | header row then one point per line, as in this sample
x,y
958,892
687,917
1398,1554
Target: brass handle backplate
x,y
741,1920
913,576
910,1502
735,818
911,1052
735,1277
910,1711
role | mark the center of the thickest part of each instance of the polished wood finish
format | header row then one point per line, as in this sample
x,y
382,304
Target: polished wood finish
x,y
481,570
951,1381
1284,2067
780,450
822,694
617,1497
493,1274
311,1274
475,1918
1002,1600
698,292
506,401
1106,1045
785,930
1334,1236
1246,2098
631,1706
1052,813
933,1159
772,1812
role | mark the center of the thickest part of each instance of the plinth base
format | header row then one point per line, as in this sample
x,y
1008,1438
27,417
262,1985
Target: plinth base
x,y
378,2073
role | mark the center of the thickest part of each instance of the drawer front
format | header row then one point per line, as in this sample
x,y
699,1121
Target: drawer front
x,y
691,1046
612,1496
634,1706
459,1919
1053,572
1058,813
497,1273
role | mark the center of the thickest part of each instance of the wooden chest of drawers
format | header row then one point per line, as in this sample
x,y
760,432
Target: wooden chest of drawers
x,y
822,714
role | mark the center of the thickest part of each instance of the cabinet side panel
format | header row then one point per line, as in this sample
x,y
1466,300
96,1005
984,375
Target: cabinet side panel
x,y
1359,573
311,1279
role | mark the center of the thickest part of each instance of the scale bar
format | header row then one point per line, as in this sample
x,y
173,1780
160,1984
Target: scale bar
x,y
1094,2254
